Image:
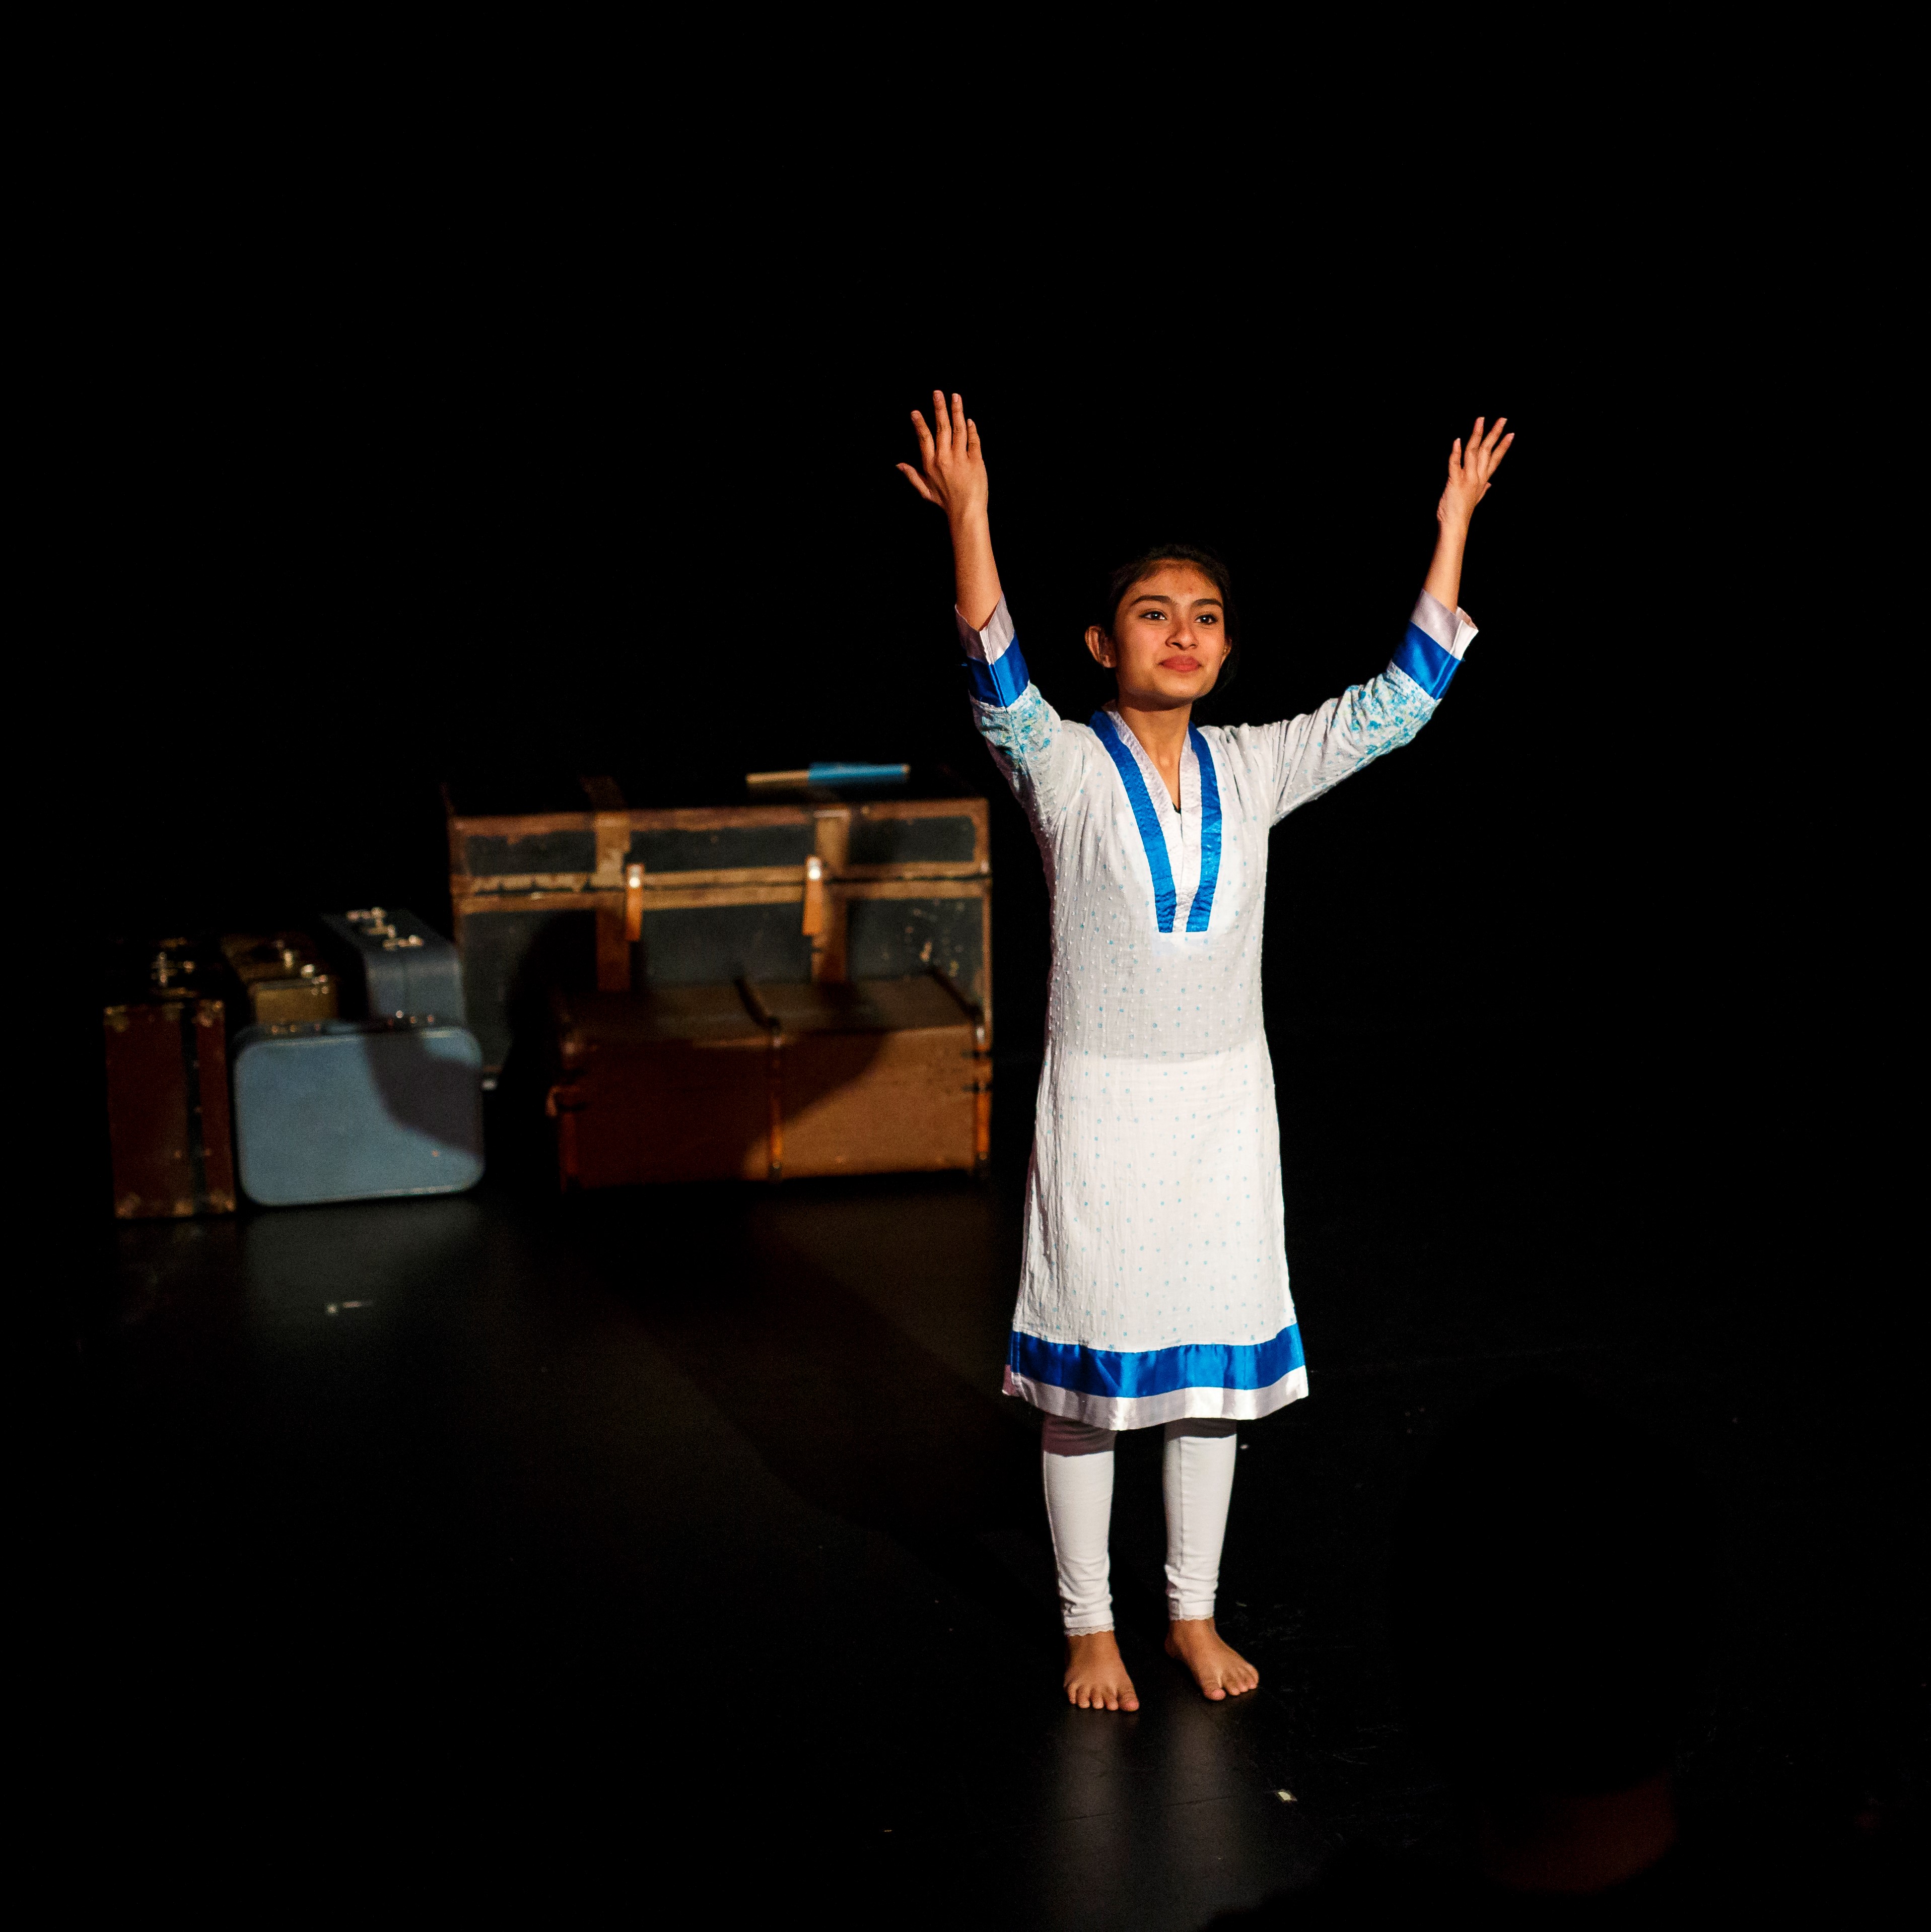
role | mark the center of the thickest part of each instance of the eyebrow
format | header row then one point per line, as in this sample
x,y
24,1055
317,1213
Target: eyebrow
x,y
1161,597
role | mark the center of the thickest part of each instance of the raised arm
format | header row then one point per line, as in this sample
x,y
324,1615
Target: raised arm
x,y
1304,757
1038,758
951,474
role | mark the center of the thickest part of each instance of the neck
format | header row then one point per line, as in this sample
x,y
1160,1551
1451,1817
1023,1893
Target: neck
x,y
1161,730
1548,1843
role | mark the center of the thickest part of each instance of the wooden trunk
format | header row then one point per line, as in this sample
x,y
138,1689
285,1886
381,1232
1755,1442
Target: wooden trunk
x,y
765,1081
831,885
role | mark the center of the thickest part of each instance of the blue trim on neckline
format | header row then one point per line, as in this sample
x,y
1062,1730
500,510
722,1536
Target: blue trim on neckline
x,y
1425,661
1151,837
1118,1373
1202,908
1001,683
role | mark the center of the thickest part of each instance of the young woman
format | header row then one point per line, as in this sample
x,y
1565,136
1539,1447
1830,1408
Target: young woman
x,y
1154,1284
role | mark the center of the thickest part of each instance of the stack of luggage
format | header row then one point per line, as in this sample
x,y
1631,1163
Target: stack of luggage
x,y
796,986
344,1068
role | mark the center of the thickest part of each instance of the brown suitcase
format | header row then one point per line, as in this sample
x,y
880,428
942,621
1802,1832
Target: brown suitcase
x,y
282,975
166,1046
828,885
765,1081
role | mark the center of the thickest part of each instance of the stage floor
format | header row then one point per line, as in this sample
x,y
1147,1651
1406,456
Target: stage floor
x,y
680,1542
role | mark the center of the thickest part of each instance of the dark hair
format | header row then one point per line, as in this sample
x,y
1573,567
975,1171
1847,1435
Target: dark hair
x,y
1209,566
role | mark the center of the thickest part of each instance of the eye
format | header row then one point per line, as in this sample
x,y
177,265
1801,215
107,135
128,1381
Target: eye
x,y
1207,617
1156,612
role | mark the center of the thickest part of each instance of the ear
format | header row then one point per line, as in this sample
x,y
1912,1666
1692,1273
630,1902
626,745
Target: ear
x,y
1101,645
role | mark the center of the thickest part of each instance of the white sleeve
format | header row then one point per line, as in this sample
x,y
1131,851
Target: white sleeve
x,y
1304,757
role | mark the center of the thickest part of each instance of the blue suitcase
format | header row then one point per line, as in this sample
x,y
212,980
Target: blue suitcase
x,y
353,1110
392,964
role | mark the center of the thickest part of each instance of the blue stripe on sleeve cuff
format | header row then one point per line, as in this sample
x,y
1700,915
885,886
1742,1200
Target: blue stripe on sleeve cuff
x,y
1003,681
1425,661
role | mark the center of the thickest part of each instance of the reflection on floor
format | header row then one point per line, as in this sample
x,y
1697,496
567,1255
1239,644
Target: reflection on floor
x,y
683,1539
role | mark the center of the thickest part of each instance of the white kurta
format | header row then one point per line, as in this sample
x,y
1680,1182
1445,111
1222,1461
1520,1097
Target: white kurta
x,y
1154,1280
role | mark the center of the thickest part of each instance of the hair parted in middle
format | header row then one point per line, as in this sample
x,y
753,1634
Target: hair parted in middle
x,y
1209,566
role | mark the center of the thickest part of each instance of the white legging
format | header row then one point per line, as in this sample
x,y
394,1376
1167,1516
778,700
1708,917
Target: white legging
x,y
1196,1473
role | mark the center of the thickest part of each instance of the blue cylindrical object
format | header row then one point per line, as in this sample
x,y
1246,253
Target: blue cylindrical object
x,y
834,774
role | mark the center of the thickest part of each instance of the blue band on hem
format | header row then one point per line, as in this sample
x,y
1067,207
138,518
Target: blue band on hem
x,y
1425,661
1110,1371
1151,837
1002,682
1202,909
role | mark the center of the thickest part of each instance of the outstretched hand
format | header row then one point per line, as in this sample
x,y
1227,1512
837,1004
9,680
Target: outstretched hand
x,y
951,466
1470,474
951,474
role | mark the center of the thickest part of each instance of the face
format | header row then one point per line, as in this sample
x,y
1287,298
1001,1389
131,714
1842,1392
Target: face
x,y
1169,640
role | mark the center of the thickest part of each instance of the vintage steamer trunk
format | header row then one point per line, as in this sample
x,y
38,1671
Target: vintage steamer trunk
x,y
798,986
830,885
165,1038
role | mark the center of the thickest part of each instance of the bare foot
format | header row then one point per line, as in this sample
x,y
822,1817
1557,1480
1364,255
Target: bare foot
x,y
1096,1679
1219,1670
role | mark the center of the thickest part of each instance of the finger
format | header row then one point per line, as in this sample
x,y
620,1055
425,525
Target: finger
x,y
1488,441
917,482
973,449
941,425
958,422
924,437
1502,451
1455,461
